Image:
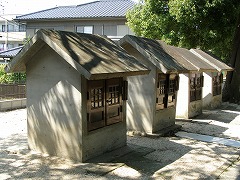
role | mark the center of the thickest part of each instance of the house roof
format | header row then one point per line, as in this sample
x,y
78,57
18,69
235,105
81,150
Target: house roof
x,y
220,66
155,52
96,9
191,58
94,56
10,53
180,55
169,58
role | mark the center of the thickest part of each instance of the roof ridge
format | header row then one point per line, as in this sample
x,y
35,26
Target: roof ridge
x,y
37,12
91,10
88,3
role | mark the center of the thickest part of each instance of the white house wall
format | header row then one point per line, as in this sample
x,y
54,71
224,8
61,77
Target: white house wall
x,y
141,97
185,108
207,90
195,108
103,27
54,106
183,97
164,118
140,105
210,101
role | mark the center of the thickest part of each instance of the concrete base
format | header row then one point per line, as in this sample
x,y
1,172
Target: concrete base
x,y
164,132
120,153
12,104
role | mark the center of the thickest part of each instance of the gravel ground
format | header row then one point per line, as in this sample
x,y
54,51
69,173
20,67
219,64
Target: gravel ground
x,y
149,158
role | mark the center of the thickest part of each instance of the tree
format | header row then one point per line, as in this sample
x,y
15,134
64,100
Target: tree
x,y
231,91
208,24
11,77
212,25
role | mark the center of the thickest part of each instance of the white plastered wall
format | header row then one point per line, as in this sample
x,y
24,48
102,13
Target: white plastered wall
x,y
182,107
54,106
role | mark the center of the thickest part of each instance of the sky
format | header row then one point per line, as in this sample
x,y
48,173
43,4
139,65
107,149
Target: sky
x,y
29,6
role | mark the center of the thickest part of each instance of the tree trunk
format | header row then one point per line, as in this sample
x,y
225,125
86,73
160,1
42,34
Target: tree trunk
x,y
231,90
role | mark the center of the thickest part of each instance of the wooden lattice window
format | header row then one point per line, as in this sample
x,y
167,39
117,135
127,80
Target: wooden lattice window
x,y
97,98
167,85
161,91
172,88
96,104
114,91
113,94
104,99
217,83
196,84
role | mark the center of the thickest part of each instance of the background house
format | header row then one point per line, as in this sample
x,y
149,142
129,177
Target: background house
x,y
12,34
7,55
76,93
103,17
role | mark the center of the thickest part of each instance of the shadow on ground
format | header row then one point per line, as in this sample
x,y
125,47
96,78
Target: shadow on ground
x,y
142,158
223,122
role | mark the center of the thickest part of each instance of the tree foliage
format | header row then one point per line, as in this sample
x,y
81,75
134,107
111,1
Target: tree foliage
x,y
11,77
205,24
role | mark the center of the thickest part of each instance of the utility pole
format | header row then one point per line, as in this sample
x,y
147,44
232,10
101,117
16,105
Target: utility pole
x,y
6,33
6,25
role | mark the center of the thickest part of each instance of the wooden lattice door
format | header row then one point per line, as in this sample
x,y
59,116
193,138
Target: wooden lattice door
x,y
96,104
113,100
104,105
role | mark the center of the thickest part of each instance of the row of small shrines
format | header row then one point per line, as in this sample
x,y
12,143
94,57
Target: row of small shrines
x,y
84,91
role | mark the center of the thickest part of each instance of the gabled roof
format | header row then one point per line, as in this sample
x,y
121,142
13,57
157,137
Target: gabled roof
x,y
180,55
96,9
94,56
220,66
155,51
10,53
192,59
173,59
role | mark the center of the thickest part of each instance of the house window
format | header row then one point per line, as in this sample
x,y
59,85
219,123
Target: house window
x,y
217,81
104,105
110,30
22,28
3,28
196,84
11,28
122,30
84,29
167,85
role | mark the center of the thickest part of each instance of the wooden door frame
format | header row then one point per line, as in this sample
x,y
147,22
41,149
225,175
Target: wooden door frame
x,y
105,108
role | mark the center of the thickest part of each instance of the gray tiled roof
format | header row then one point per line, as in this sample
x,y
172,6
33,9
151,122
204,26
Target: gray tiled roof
x,y
155,51
96,9
169,58
94,56
210,59
10,52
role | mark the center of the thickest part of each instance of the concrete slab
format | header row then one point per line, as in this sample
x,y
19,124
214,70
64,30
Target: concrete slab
x,y
211,139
